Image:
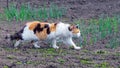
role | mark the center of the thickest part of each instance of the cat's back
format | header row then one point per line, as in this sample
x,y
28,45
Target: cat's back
x,y
43,30
32,25
35,30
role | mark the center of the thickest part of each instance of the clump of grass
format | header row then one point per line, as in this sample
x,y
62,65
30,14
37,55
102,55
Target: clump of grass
x,y
86,61
26,12
11,57
60,60
50,52
94,30
102,65
18,62
100,52
29,62
5,66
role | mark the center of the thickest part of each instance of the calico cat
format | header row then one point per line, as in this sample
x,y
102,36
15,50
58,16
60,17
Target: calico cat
x,y
35,31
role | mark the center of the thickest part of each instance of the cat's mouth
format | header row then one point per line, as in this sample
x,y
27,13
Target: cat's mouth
x,y
77,35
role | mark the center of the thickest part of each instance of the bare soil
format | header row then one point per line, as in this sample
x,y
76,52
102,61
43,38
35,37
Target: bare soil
x,y
76,9
26,56
90,56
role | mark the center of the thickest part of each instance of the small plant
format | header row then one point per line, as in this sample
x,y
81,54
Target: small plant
x,y
29,62
86,61
19,62
101,52
10,57
94,30
5,66
86,51
50,52
26,12
102,65
60,60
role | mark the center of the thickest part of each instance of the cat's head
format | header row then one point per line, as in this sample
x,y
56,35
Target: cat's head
x,y
75,30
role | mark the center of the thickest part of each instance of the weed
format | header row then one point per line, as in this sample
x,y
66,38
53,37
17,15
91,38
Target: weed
x,y
86,61
94,30
29,62
86,51
102,65
18,62
117,53
60,51
26,12
60,60
101,52
50,52
10,57
5,66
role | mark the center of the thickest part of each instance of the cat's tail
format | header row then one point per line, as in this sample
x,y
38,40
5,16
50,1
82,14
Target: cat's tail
x,y
12,37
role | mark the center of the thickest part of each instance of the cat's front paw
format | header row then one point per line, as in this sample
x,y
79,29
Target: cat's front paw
x,y
56,47
77,48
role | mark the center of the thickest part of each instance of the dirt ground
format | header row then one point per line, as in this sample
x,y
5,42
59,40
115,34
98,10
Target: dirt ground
x,y
26,56
90,56
76,9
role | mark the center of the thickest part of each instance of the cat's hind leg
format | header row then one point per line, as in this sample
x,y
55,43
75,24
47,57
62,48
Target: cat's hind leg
x,y
17,43
35,43
54,44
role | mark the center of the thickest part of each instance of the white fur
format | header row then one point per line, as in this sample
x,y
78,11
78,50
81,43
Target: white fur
x,y
61,32
29,34
17,43
35,44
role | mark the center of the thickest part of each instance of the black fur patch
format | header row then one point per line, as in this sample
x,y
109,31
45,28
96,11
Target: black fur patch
x,y
69,29
48,30
55,24
46,26
38,28
17,35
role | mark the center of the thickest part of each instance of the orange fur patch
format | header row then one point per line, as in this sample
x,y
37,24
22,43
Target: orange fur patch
x,y
75,31
33,24
42,34
53,27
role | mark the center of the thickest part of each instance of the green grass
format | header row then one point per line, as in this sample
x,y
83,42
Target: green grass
x,y
19,62
60,60
26,12
5,66
102,65
86,61
103,28
101,52
10,57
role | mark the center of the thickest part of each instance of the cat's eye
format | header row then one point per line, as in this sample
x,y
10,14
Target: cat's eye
x,y
76,26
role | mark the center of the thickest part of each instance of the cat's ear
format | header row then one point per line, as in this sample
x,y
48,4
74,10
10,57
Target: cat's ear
x,y
70,28
77,26
56,23
73,27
